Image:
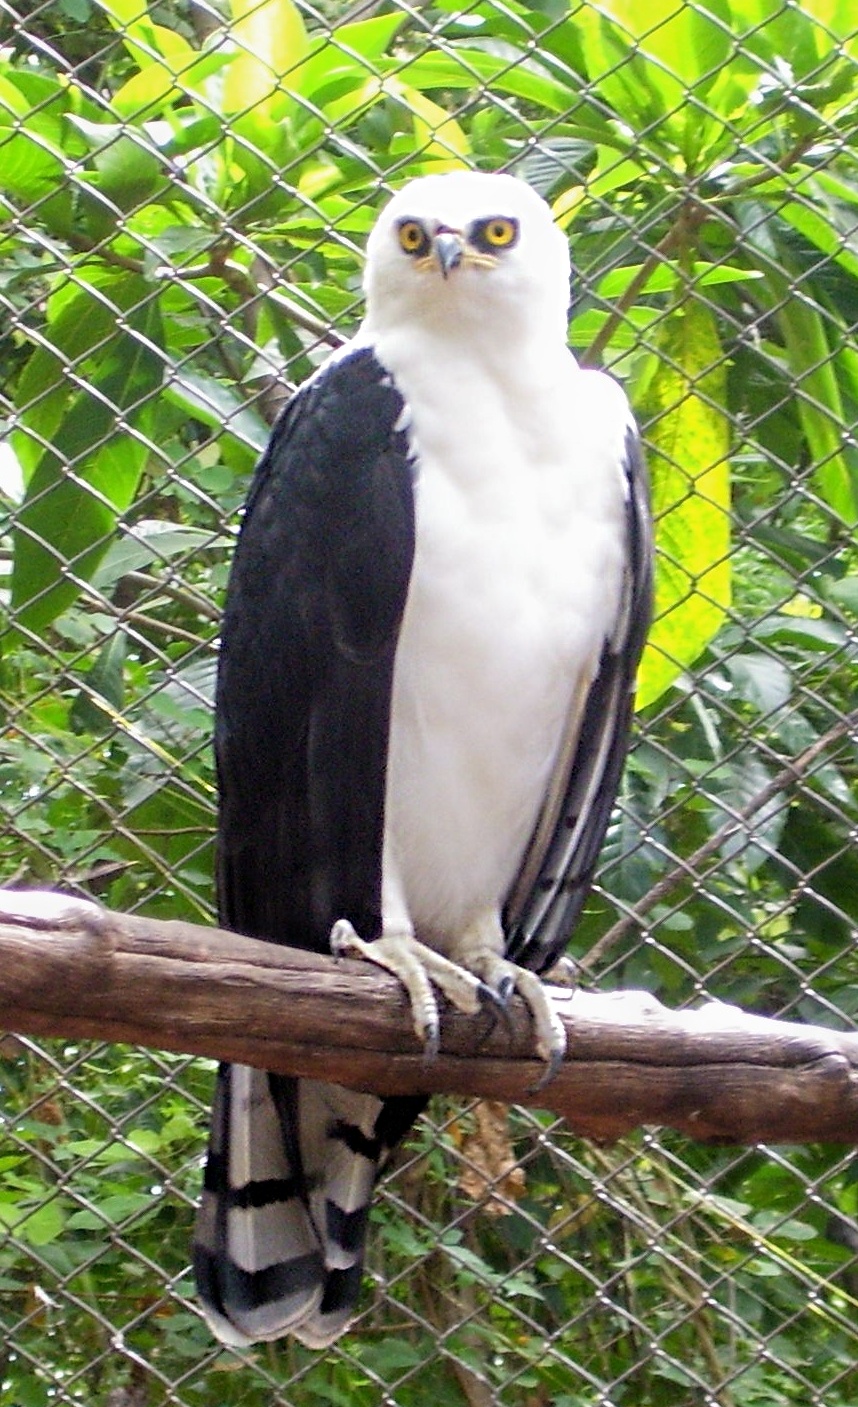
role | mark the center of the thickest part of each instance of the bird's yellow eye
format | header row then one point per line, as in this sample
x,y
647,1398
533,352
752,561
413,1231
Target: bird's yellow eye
x,y
412,237
498,232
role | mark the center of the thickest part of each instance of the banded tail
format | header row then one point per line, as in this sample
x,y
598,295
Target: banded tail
x,y
281,1230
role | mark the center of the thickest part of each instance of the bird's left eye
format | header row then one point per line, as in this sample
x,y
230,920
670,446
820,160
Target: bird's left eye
x,y
413,238
499,232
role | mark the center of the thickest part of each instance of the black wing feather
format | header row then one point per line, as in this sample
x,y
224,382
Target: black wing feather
x,y
548,897
317,590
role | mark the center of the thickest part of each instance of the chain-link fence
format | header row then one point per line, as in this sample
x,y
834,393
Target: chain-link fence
x,y
186,188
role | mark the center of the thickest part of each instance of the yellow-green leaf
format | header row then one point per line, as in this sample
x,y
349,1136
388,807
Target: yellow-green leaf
x,y
440,142
687,431
157,85
270,41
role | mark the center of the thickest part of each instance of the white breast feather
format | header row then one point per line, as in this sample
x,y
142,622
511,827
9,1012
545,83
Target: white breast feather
x,y
515,586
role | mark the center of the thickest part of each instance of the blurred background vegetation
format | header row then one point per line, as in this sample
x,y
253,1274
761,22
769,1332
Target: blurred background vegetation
x,y
185,191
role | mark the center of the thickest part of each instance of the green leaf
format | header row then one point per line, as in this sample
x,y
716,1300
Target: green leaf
x,y
148,43
81,324
29,171
818,399
157,85
845,593
124,14
86,476
802,35
32,164
833,17
113,1207
619,72
465,67
38,1228
774,1227
688,438
613,173
627,335
827,907
824,214
334,71
761,679
663,278
13,104
147,542
170,70
393,1356
216,404
645,62
105,680
438,138
358,49
270,41
127,166
738,784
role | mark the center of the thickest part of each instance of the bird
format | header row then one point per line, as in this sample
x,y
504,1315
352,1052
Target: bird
x,y
439,595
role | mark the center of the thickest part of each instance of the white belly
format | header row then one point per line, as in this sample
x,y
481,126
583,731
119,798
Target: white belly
x,y
515,585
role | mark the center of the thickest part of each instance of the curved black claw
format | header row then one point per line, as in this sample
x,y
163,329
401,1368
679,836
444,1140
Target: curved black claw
x,y
505,990
431,1042
496,1005
495,999
552,1065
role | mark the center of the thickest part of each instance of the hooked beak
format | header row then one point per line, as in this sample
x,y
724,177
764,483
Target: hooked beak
x,y
448,248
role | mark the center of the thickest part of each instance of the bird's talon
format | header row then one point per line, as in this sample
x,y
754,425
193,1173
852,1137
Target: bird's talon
x,y
488,997
552,1065
496,1011
431,1038
497,995
505,990
495,1003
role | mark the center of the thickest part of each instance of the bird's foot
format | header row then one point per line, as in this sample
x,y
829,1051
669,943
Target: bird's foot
x,y
488,980
504,977
420,970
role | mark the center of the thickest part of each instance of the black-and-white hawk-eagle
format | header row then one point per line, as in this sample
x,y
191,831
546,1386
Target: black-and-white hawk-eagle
x,y
439,597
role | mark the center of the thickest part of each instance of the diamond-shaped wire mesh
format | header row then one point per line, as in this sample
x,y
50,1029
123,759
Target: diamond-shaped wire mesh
x,y
185,191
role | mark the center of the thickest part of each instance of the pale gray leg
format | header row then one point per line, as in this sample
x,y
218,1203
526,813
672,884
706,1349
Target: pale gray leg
x,y
480,950
476,972
419,969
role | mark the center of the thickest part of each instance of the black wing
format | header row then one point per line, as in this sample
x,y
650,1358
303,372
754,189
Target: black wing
x,y
316,595
560,862
315,600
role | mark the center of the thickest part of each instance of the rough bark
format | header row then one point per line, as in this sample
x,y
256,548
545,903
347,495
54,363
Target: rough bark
x,y
70,968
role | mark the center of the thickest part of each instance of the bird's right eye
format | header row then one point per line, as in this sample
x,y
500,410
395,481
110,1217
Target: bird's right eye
x,y
413,238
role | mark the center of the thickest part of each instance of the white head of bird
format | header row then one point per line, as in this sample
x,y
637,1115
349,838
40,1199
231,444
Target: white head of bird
x,y
476,250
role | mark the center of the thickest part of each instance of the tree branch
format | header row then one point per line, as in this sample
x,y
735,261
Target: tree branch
x,y
71,968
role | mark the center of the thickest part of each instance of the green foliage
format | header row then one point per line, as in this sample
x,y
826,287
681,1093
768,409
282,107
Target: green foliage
x,y
182,210
688,434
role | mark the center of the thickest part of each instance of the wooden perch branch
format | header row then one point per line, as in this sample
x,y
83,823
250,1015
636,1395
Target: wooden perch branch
x,y
70,968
